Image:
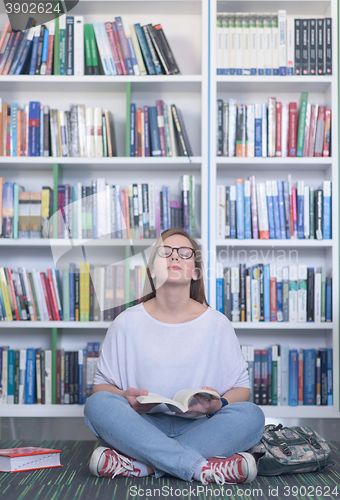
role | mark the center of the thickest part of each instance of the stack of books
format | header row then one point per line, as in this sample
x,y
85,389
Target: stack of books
x,y
80,293
158,131
273,129
282,376
269,293
37,130
141,210
67,46
26,375
273,44
274,210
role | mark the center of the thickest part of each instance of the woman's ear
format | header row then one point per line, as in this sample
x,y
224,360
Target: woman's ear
x,y
195,274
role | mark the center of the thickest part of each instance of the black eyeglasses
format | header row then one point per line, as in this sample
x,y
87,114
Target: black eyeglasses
x,y
182,252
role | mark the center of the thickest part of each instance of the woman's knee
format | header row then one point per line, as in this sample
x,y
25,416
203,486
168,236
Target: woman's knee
x,y
99,401
252,416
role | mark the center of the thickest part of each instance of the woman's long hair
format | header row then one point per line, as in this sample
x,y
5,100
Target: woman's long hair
x,y
197,291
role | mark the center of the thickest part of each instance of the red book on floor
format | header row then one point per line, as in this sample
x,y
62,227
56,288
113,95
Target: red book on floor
x,y
30,458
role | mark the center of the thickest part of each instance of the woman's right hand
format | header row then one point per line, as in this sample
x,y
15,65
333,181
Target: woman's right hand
x,y
130,395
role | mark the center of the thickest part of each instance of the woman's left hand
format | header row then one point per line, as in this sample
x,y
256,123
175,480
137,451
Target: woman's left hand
x,y
204,407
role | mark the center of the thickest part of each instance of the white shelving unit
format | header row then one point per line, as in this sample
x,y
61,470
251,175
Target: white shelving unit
x,y
225,170
184,23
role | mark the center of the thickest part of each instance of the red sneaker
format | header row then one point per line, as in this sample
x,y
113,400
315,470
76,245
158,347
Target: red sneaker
x,y
240,468
109,463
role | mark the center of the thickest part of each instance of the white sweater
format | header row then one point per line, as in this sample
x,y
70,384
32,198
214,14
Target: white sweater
x,y
141,352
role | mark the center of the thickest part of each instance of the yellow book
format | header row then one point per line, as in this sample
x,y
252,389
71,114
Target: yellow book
x,y
84,289
5,296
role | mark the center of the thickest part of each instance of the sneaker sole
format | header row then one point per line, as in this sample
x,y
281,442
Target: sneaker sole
x,y
252,467
95,457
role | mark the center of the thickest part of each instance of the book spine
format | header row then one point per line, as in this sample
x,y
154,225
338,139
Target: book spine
x,y
321,46
298,46
328,46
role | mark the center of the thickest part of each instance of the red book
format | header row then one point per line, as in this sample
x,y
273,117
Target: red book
x,y
139,131
43,283
300,379
127,214
327,133
292,129
7,50
123,209
58,378
272,281
54,300
161,129
49,61
294,212
278,128
50,300
114,48
17,459
312,129
14,48
119,48
10,280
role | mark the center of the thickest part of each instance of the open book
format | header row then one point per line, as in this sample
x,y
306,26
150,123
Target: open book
x,y
181,400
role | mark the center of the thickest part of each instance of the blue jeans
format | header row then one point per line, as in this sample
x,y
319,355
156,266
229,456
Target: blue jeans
x,y
172,444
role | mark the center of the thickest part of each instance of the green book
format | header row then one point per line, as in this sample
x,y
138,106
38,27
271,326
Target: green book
x,y
275,349
56,48
87,47
302,124
35,300
66,295
323,293
94,52
62,45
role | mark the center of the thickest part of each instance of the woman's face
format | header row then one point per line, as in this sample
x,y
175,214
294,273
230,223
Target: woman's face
x,y
174,269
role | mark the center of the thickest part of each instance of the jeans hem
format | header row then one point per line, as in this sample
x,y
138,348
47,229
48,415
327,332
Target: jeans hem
x,y
193,468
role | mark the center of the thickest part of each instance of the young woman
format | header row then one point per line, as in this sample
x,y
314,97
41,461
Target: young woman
x,y
170,341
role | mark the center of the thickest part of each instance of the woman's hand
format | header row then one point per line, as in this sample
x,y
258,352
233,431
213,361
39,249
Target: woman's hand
x,y
130,395
204,407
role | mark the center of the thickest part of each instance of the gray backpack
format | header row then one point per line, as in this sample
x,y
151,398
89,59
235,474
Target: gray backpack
x,y
290,450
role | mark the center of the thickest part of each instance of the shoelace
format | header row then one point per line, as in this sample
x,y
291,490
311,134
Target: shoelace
x,y
220,471
118,464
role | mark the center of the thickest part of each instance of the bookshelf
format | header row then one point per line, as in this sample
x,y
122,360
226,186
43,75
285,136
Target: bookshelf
x,y
189,24
184,25
225,170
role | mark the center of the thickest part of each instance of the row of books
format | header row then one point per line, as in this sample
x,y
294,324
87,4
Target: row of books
x,y
269,293
273,129
274,210
101,210
68,46
158,131
37,130
26,375
85,292
283,376
273,44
